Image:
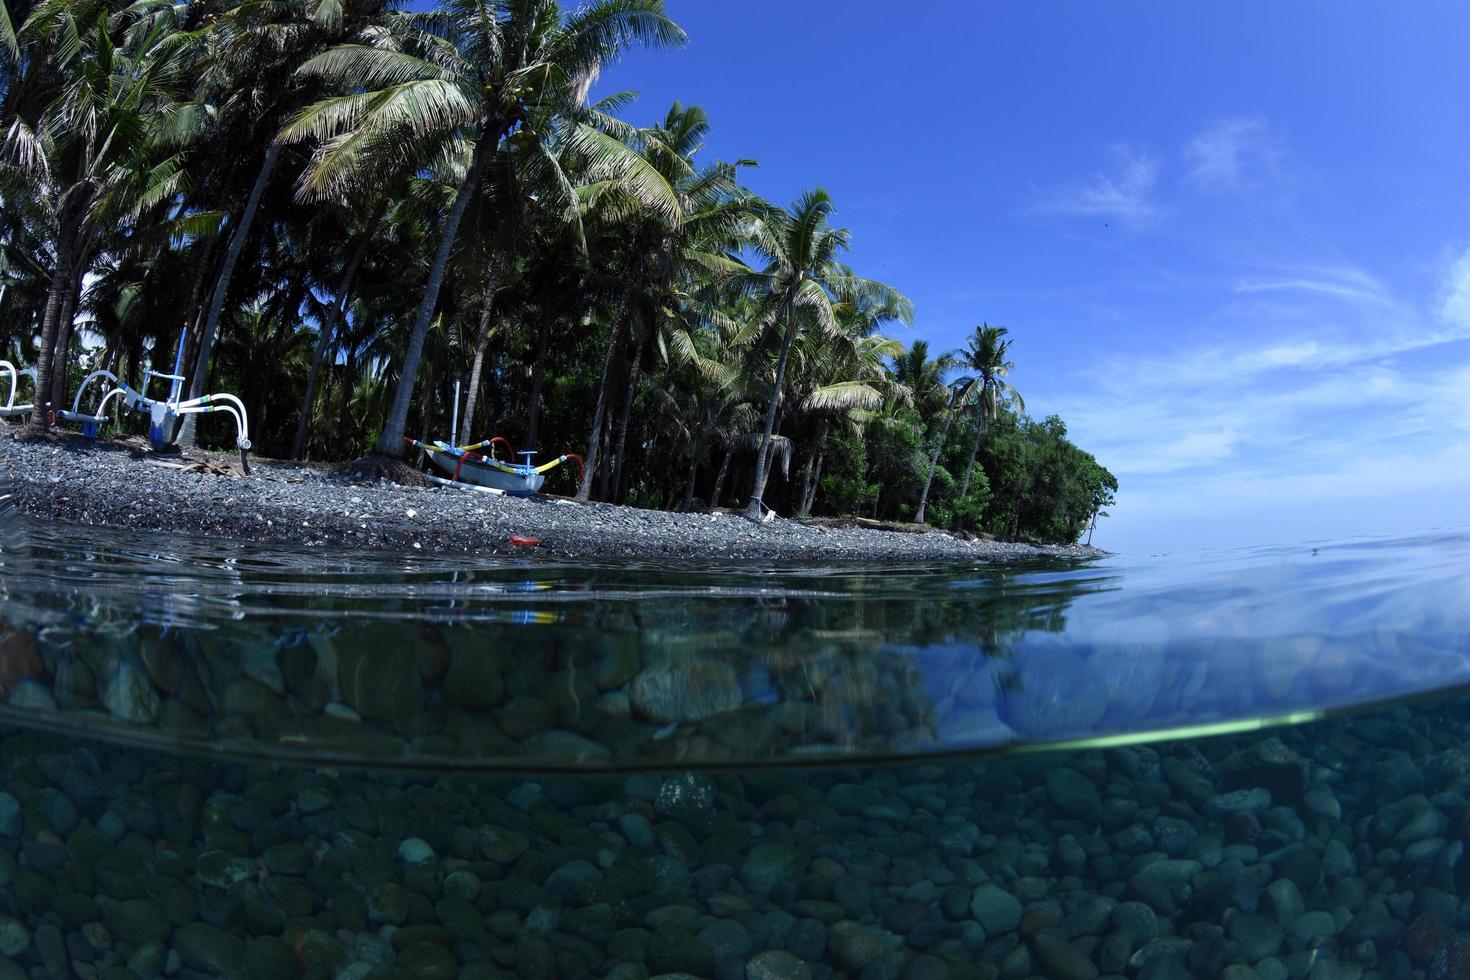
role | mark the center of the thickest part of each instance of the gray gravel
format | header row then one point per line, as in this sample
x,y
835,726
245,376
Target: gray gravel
x,y
118,485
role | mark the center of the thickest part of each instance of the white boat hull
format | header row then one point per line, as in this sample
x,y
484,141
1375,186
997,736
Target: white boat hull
x,y
519,484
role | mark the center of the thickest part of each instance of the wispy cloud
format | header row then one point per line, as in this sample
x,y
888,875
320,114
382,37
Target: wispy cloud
x,y
1233,154
1346,282
1351,393
1124,193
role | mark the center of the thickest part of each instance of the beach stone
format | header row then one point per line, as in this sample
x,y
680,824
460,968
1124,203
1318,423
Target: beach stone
x,y
15,938
206,947
1319,801
636,829
387,904
1061,696
428,961
474,678
568,881
1331,969
379,684
288,858
139,920
1269,764
130,697
685,691
502,846
997,910
770,863
462,884
852,946
415,850
1253,801
1164,884
727,939
1059,959
148,959
1255,936
268,957
10,819
11,970
222,869
1284,901
685,792
776,964
1312,925
1193,785
673,950
1074,795
1337,859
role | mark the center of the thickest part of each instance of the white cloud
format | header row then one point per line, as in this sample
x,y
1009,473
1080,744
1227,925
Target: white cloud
x,y
1124,194
1233,154
1344,406
1454,297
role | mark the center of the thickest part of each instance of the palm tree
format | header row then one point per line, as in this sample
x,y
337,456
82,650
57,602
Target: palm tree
x,y
511,69
985,357
796,290
89,150
961,391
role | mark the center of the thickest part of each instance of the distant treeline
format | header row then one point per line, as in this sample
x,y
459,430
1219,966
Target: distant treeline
x,y
352,207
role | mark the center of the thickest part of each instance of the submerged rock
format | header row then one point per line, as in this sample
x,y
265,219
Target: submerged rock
x,y
130,696
685,691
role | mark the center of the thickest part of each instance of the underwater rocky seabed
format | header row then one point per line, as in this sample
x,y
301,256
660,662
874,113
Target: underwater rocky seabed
x,y
1327,851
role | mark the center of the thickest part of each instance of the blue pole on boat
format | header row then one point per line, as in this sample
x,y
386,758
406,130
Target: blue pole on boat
x,y
173,388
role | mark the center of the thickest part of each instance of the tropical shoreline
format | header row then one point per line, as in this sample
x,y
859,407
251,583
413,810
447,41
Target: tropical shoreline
x,y
313,506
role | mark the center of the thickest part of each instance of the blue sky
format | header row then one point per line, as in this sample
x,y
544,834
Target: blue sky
x,y
1232,242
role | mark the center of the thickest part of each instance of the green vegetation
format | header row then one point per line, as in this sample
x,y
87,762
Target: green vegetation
x,y
352,207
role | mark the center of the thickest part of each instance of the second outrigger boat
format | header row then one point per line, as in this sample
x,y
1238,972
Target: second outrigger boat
x,y
475,467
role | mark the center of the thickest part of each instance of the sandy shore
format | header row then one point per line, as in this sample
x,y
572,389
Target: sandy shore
x,y
119,484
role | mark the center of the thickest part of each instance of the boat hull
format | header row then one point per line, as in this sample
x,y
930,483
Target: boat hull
x,y
522,483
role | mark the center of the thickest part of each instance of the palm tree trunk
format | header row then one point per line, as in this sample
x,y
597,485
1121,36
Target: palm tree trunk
x,y
329,331
65,326
72,208
689,487
222,287
594,446
477,367
633,373
974,451
538,372
934,463
753,506
714,497
390,443
811,497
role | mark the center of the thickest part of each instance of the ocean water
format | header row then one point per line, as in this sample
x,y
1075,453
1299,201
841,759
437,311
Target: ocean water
x,y
226,761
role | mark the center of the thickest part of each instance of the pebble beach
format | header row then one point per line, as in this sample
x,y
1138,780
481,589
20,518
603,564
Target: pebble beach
x,y
121,485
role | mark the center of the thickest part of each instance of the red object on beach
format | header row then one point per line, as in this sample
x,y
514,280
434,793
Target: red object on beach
x,y
524,541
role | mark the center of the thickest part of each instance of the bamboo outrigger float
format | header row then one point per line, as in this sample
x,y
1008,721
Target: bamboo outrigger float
x,y
474,467
8,407
161,412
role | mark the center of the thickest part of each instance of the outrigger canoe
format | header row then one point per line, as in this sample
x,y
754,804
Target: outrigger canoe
x,y
475,466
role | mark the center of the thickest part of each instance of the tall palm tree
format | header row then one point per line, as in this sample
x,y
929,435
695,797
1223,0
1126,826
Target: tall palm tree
x,y
984,357
796,290
958,397
511,69
89,149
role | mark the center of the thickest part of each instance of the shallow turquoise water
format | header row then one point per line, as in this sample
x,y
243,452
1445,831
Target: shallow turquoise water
x,y
218,760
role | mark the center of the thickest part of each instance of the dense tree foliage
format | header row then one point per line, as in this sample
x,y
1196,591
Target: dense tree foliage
x,y
341,209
